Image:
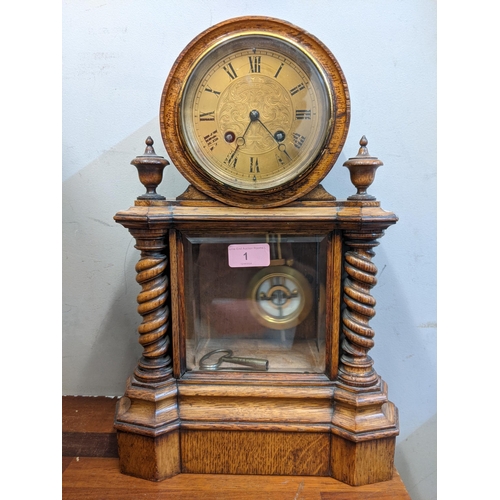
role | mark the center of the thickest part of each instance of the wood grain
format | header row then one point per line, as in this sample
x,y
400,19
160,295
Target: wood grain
x,y
88,414
66,461
247,452
248,403
88,427
96,478
151,458
89,444
363,462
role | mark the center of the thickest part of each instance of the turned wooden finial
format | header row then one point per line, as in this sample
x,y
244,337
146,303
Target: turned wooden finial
x,y
362,170
150,167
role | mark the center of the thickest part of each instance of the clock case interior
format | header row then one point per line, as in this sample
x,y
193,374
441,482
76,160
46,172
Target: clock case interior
x,y
276,312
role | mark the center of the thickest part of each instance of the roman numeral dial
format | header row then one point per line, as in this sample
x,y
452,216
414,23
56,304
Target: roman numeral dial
x,y
255,114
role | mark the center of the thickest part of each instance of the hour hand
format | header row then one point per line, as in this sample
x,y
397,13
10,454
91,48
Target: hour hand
x,y
230,136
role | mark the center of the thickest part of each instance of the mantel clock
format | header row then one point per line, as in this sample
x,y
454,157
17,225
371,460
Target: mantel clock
x,y
256,282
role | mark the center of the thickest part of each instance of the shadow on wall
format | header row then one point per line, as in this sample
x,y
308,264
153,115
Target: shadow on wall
x,y
417,464
99,321
404,357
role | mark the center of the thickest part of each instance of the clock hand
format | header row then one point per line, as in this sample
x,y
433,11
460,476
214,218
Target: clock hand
x,y
282,147
279,136
248,126
240,141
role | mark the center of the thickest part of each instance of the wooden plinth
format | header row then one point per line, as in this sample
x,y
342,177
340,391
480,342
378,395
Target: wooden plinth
x,y
256,453
87,475
257,427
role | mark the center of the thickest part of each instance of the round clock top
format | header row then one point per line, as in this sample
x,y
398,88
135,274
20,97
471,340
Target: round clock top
x,y
255,112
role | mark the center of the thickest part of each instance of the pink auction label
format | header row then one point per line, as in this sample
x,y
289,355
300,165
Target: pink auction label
x,y
249,255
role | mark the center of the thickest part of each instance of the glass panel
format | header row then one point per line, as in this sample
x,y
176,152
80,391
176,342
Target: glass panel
x,y
256,297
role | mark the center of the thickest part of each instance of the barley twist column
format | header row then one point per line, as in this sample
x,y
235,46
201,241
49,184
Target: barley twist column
x,y
356,366
155,364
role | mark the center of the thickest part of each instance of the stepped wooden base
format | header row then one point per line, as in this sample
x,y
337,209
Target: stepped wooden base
x,y
88,429
364,427
146,421
224,452
251,428
151,458
364,462
259,453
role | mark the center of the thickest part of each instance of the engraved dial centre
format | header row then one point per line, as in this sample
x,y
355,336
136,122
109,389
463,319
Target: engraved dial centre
x,y
264,103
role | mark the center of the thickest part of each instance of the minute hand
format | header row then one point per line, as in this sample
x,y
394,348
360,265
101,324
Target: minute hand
x,y
281,146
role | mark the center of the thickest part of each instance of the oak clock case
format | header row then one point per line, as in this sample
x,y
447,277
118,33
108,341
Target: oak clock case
x,y
255,282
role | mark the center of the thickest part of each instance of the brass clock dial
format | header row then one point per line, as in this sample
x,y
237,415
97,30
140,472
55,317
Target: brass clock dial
x,y
255,112
257,116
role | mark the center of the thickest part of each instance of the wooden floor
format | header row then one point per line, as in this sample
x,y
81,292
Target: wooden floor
x,y
90,470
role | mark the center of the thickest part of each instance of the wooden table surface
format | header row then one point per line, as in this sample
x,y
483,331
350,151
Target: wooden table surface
x,y
91,472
